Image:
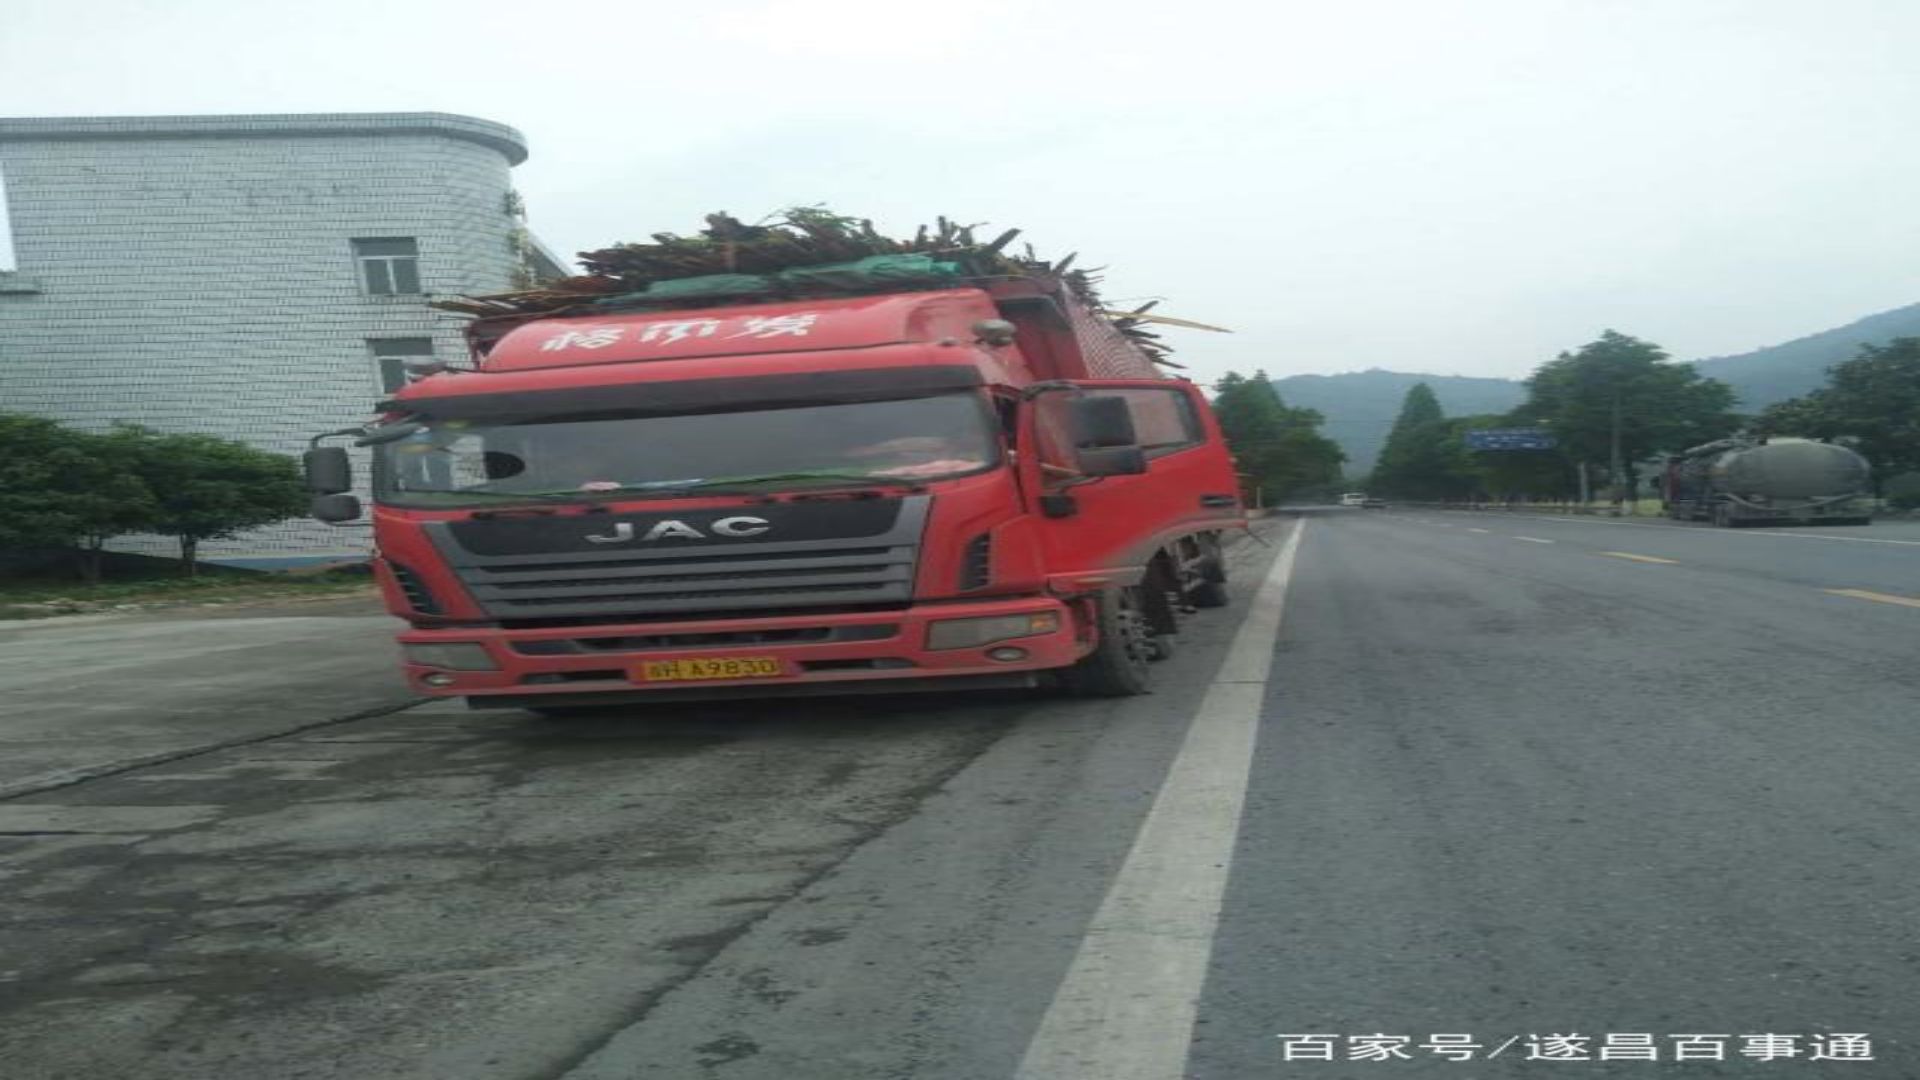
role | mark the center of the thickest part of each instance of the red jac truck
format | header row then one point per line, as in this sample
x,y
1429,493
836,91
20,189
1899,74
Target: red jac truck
x,y
978,487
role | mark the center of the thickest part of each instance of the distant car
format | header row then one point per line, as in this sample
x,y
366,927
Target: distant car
x,y
1353,498
1372,503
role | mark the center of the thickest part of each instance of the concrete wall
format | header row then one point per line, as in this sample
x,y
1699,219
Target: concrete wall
x,y
196,273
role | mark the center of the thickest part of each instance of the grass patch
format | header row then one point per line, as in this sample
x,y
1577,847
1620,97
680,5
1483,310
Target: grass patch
x,y
39,598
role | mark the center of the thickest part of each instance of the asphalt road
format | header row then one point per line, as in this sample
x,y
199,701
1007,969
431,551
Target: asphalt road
x,y
1498,778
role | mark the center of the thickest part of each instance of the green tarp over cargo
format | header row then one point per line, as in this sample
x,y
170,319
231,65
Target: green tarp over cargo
x,y
873,273
709,287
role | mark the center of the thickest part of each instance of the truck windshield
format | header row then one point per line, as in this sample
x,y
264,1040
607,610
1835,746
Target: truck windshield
x,y
462,462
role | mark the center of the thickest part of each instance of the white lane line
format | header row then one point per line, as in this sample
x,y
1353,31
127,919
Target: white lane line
x,y
1125,1010
1577,520
1480,530
1820,536
1533,540
1884,598
1641,558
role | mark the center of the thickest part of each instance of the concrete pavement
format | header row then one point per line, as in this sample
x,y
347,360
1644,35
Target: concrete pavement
x,y
87,695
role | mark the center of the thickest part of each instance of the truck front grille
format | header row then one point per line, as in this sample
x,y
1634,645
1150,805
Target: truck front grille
x,y
685,580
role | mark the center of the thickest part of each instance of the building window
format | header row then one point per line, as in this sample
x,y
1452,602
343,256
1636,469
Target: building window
x,y
390,355
389,265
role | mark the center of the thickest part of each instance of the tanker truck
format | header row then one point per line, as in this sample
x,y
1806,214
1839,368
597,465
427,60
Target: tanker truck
x,y
1740,481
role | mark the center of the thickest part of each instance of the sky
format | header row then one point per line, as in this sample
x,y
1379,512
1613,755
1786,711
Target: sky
x,y
1447,186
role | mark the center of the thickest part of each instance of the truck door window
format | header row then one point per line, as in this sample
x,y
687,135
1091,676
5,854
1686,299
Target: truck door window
x,y
1053,440
1164,419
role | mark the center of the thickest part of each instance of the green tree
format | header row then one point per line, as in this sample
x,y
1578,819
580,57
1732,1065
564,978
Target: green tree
x,y
1424,456
1621,388
1280,447
65,488
1903,491
209,488
1873,398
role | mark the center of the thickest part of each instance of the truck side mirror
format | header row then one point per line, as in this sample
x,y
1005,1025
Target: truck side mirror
x,y
1111,461
335,508
329,472
1102,422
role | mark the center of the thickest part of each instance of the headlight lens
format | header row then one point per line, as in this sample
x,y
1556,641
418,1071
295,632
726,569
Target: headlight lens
x,y
970,633
455,656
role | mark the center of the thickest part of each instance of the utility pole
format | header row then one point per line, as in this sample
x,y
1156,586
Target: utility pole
x,y
1614,469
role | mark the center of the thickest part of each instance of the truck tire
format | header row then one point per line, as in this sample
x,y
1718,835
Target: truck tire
x,y
1212,590
1118,665
1208,594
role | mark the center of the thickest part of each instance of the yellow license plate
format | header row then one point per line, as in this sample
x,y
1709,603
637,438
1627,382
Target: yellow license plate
x,y
710,667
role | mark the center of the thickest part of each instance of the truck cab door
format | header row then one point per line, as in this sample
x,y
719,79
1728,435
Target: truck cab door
x,y
1116,522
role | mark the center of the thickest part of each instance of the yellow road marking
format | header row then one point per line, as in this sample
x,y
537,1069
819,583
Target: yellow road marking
x,y
1640,558
1885,598
1533,540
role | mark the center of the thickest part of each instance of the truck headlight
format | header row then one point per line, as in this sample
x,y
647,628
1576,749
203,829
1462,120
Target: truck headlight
x,y
969,633
455,656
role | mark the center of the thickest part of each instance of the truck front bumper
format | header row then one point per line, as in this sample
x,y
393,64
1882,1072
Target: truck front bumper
x,y
809,654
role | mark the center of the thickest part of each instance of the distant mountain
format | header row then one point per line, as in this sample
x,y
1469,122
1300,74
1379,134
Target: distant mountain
x,y
1779,372
1360,406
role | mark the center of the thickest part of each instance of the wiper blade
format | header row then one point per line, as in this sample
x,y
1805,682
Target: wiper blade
x,y
862,479
517,496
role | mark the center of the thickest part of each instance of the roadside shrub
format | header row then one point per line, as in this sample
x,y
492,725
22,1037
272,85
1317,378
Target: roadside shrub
x,y
1903,491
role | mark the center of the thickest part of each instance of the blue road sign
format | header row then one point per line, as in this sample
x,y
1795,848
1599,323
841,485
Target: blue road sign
x,y
1510,439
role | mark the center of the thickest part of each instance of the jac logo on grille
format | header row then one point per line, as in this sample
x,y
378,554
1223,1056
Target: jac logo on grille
x,y
735,527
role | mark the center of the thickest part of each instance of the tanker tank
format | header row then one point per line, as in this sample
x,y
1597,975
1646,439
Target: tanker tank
x,y
1736,482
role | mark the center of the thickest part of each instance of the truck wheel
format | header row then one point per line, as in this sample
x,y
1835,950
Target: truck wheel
x,y
1208,594
1212,590
1721,519
1117,667
1164,646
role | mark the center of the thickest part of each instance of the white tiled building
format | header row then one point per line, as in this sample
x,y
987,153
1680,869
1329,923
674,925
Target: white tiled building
x,y
256,277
